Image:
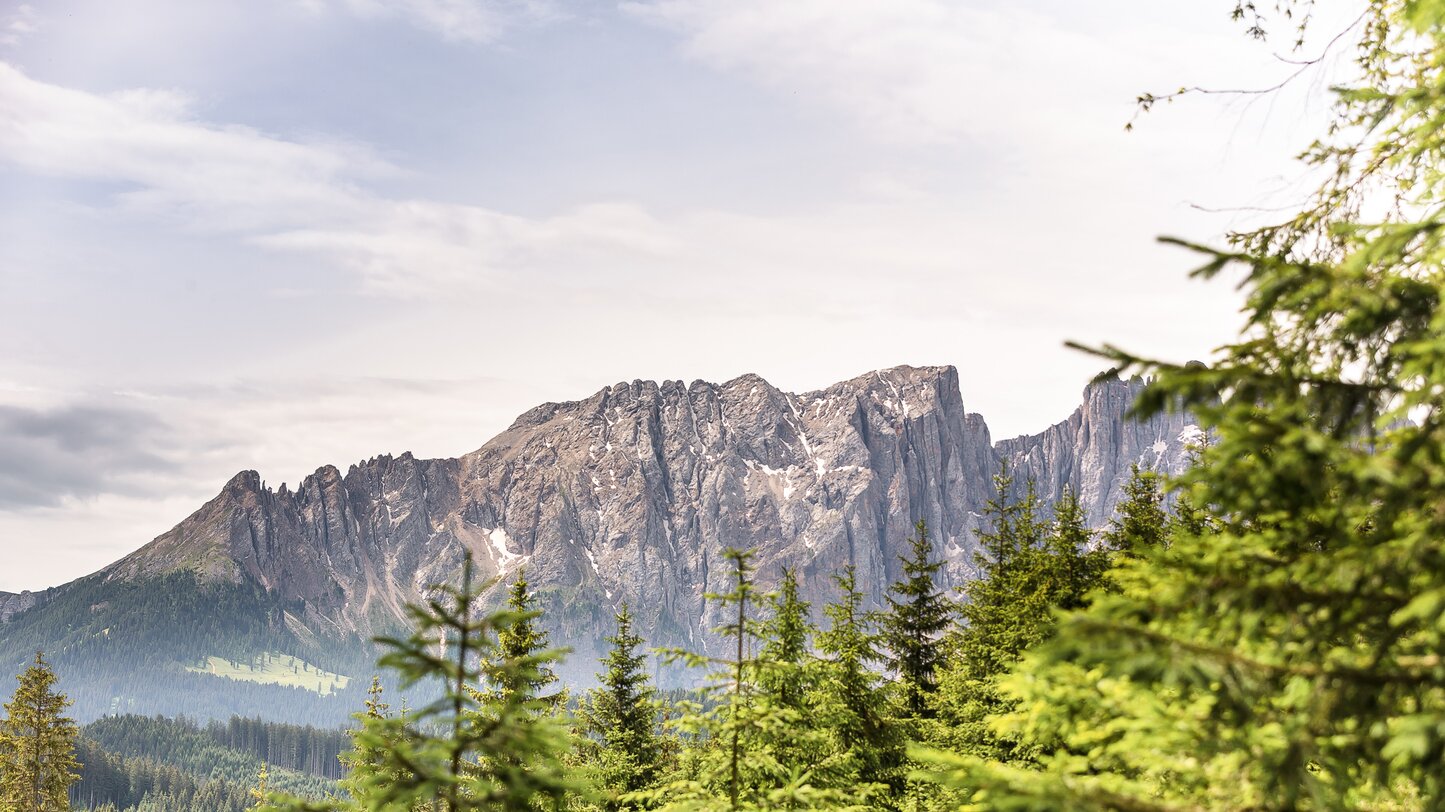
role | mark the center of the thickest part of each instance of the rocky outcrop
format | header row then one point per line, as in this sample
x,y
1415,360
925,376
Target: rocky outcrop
x,y
1094,451
633,494
12,603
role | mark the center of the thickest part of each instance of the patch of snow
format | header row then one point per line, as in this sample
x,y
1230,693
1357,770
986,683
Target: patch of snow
x,y
818,461
1160,447
1191,435
773,473
592,559
506,559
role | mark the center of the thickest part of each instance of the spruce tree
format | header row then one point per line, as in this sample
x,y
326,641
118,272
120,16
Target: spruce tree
x,y
623,715
786,645
522,640
471,749
1140,522
365,759
918,615
37,745
742,592
1010,607
1077,564
749,751
854,707
1001,612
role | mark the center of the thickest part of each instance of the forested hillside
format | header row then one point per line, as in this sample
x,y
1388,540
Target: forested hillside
x,y
135,646
165,765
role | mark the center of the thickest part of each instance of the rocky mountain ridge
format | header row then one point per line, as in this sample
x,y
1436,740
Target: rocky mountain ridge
x,y
633,493
12,603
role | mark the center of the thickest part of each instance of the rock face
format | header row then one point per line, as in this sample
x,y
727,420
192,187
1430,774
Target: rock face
x,y
12,603
1093,452
633,493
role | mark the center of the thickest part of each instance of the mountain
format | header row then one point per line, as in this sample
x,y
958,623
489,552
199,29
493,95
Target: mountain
x,y
630,494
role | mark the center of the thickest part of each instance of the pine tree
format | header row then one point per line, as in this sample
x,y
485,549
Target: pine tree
x,y
522,640
365,760
623,714
1140,522
787,633
470,749
742,592
748,750
1077,564
1009,608
853,706
1015,528
37,745
918,615
1001,613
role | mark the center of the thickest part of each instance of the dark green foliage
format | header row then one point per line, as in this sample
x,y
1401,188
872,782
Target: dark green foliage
x,y
851,704
1140,523
138,762
232,750
786,646
760,739
37,745
918,615
622,716
522,641
1031,570
129,784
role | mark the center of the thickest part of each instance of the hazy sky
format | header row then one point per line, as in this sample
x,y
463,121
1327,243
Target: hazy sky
x,y
276,234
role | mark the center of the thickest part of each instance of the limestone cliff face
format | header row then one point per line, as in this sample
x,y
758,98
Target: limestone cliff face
x,y
1093,451
633,493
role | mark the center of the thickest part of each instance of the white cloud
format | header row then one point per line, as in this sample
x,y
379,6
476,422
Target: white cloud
x,y
911,71
18,24
286,194
933,72
478,21
316,198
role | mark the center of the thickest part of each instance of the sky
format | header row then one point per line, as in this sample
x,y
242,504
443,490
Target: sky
x,y
279,234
